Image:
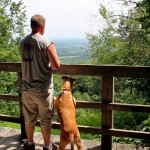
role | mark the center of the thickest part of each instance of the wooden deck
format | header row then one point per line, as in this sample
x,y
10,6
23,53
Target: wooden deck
x,y
10,140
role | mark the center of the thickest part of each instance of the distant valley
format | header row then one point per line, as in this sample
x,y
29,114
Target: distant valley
x,y
73,51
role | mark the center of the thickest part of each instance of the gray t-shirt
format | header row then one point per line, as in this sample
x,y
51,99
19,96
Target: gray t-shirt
x,y
36,71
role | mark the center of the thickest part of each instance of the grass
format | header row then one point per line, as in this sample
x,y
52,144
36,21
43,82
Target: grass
x,y
9,124
18,126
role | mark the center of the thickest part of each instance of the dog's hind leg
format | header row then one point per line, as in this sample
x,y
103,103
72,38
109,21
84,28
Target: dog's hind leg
x,y
63,143
78,141
71,139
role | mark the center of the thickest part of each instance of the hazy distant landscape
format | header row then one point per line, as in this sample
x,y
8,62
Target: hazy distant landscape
x,y
73,51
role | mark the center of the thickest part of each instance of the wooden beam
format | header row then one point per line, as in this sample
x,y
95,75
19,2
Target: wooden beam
x,y
89,129
114,106
107,115
105,70
129,133
10,118
112,132
10,97
91,70
10,67
23,132
129,107
92,105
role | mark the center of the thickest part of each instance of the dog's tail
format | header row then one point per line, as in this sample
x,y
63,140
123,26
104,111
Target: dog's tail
x,y
71,137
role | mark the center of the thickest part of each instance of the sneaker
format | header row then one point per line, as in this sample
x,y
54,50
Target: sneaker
x,y
53,146
29,147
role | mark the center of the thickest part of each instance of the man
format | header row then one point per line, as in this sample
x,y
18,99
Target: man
x,y
39,58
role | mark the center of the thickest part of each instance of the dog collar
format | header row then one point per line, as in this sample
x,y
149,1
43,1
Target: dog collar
x,y
64,89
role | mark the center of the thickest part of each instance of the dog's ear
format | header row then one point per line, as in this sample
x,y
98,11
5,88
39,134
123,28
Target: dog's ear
x,y
64,77
70,78
73,79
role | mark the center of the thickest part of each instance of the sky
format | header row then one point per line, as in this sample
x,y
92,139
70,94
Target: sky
x,y
64,18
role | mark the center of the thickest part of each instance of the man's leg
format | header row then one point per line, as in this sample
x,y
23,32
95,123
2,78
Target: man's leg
x,y
30,112
47,143
29,143
30,133
46,136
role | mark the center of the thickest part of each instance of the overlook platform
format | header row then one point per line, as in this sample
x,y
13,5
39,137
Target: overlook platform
x,y
10,140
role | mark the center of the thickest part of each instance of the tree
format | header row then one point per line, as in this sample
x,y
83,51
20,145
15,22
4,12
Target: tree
x,y
125,38
12,19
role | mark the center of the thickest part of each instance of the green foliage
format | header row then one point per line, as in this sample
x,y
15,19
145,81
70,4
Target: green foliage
x,y
123,40
58,84
9,108
8,83
87,88
12,18
145,127
131,90
132,121
9,55
128,120
88,117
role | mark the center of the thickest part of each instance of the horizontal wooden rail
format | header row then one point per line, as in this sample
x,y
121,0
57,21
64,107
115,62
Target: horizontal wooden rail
x,y
129,107
114,106
9,118
93,105
91,70
10,97
89,129
105,70
129,133
10,67
112,132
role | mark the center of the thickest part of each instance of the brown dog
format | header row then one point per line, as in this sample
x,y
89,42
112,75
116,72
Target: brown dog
x,y
65,105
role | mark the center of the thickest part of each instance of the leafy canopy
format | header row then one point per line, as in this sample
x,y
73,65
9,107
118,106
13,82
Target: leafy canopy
x,y
12,19
125,39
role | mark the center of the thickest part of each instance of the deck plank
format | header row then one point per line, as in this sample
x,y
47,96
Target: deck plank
x,y
10,140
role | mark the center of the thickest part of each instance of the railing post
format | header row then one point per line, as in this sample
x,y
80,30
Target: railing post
x,y
23,132
107,115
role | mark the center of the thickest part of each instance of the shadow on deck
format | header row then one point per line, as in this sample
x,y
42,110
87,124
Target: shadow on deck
x,y
10,140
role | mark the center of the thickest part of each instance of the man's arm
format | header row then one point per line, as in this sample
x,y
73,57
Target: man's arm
x,y
53,57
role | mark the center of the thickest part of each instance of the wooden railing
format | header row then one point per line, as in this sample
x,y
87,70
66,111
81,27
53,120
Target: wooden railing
x,y
107,106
